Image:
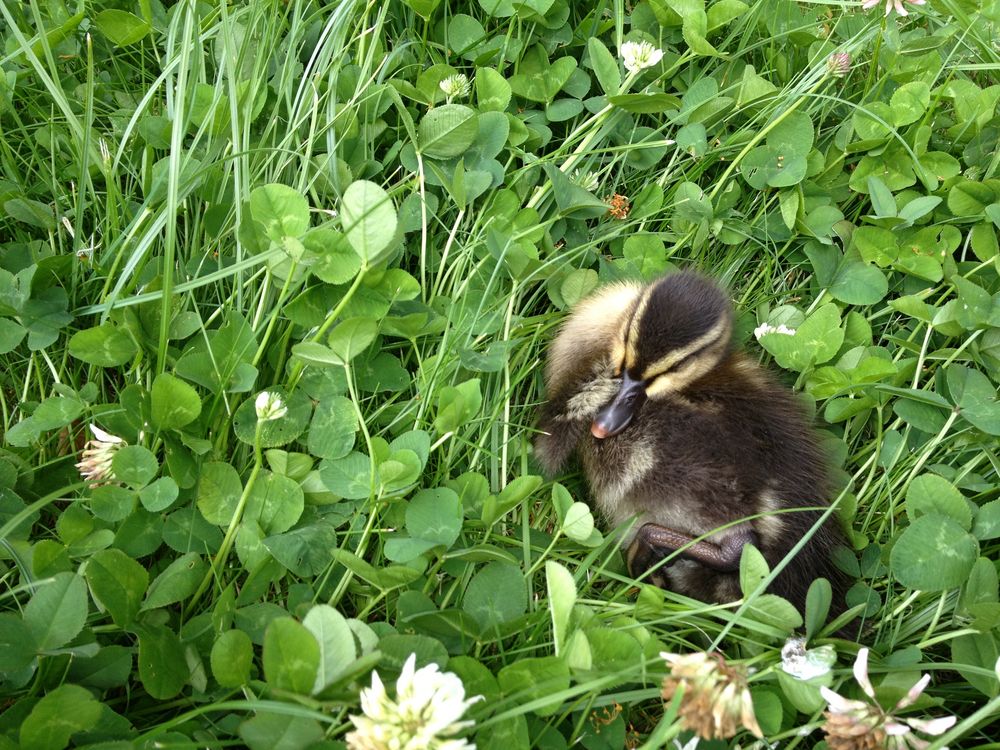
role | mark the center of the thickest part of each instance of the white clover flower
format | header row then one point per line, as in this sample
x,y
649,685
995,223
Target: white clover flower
x,y
587,180
269,406
804,664
856,725
102,145
456,86
766,328
638,56
95,462
891,5
427,709
839,64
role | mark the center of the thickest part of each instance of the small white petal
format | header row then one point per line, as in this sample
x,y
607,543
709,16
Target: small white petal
x,y
914,692
861,672
372,698
691,744
933,727
895,729
838,703
104,437
404,683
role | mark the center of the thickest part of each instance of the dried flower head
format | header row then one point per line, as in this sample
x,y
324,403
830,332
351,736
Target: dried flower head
x,y
86,252
891,5
839,64
619,206
766,328
857,725
95,462
427,709
638,56
716,700
456,86
269,406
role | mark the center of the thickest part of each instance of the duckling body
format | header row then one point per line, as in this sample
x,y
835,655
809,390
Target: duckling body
x,y
676,428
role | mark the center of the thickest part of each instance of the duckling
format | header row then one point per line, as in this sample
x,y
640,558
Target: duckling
x,y
680,430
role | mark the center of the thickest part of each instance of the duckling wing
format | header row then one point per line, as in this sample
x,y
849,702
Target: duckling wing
x,y
750,467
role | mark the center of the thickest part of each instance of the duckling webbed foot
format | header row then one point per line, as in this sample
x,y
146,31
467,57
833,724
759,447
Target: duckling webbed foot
x,y
653,542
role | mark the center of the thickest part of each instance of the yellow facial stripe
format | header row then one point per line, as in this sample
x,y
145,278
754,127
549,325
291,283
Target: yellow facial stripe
x,y
620,348
660,366
631,336
617,354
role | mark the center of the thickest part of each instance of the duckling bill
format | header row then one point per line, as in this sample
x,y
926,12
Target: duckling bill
x,y
676,427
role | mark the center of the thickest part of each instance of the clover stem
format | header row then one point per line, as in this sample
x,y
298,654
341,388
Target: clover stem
x,y
878,48
358,551
282,295
542,558
372,487
298,366
234,523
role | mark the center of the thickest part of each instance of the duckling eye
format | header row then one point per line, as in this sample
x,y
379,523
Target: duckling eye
x,y
681,364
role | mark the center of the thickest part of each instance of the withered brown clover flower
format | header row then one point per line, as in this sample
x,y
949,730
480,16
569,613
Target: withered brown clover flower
x,y
716,702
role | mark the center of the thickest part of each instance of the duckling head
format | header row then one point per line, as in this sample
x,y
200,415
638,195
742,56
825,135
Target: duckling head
x,y
678,329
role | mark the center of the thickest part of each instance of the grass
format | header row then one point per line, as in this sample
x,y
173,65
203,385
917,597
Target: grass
x,y
204,202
